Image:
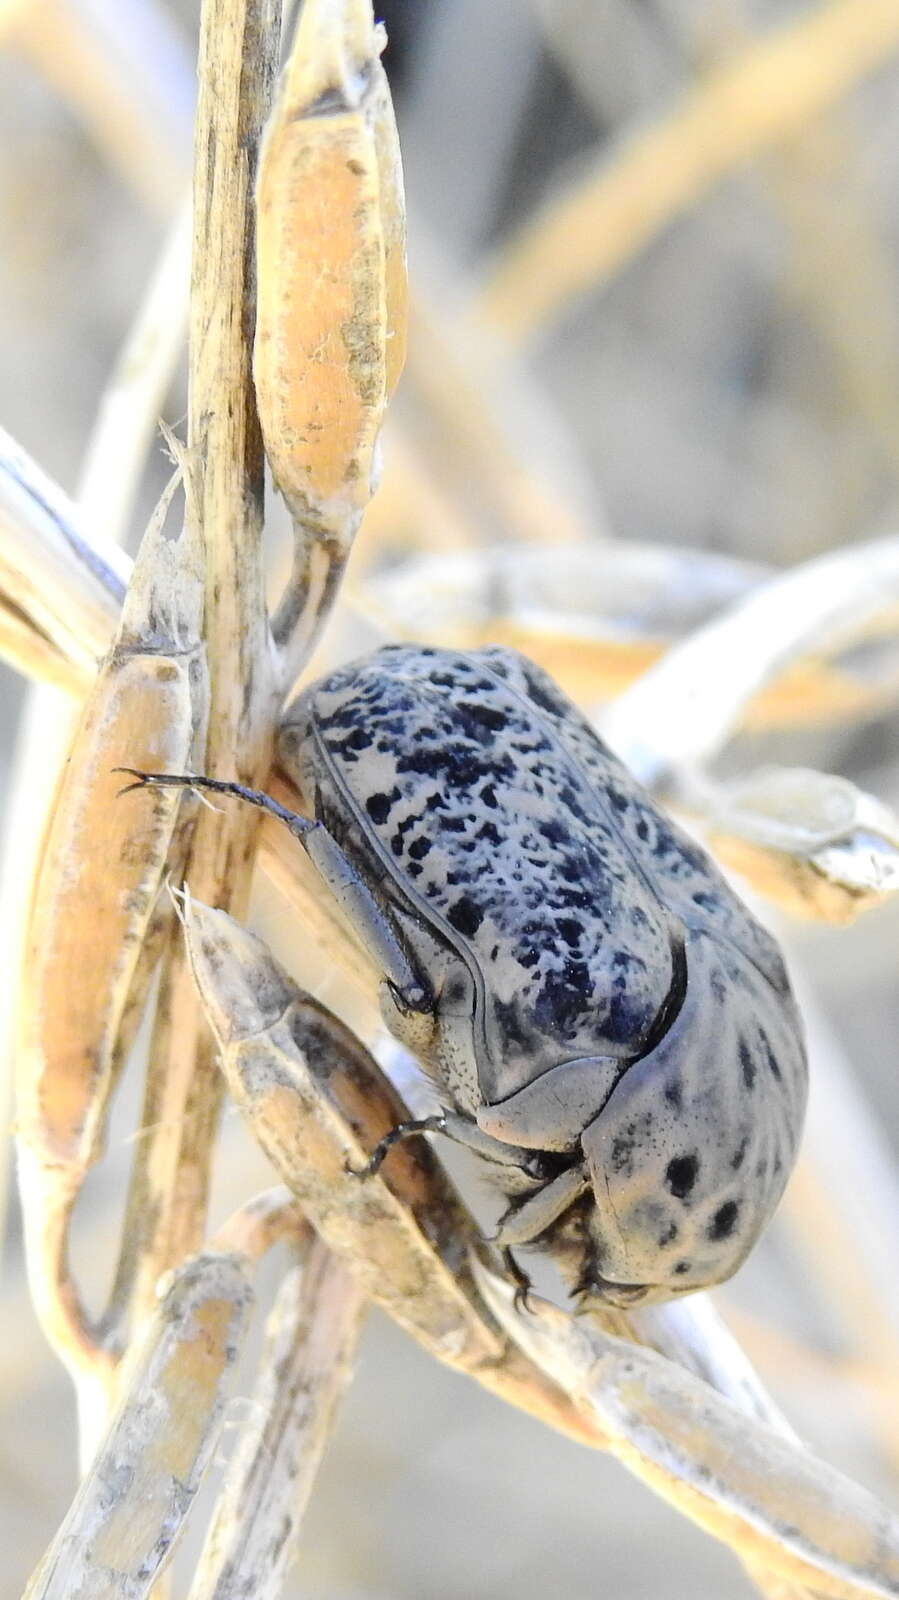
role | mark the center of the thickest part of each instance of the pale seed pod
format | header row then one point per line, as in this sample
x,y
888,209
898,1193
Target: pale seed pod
x,y
330,331
94,926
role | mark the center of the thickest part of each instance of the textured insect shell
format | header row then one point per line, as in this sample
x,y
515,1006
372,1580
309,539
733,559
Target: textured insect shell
x,y
691,1152
452,782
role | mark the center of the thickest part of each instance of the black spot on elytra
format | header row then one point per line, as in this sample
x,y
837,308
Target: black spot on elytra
x,y
488,796
465,916
674,1094
724,1221
543,697
419,848
481,717
378,806
770,1056
489,832
681,1174
739,1155
668,1235
682,1267
747,1064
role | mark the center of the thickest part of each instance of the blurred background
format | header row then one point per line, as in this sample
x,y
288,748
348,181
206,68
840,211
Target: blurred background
x,y
725,377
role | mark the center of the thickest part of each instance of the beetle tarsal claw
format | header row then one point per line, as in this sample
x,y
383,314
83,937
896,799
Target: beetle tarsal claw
x,y
523,1284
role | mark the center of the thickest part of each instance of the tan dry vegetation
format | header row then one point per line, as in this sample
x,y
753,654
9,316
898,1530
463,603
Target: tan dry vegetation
x,y
487,528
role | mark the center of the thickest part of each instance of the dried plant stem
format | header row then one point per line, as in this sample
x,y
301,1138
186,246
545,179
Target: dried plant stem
x,y
61,583
680,712
131,1507
318,1104
133,398
780,1508
310,1340
238,53
604,616
589,231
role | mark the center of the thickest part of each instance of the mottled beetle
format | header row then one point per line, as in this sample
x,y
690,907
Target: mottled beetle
x,y
606,1021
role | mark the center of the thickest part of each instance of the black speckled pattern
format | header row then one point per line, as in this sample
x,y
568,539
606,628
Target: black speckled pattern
x,y
481,805
524,866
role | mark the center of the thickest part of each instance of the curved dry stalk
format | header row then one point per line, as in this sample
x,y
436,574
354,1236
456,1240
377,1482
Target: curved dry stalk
x,y
605,616
131,403
262,1222
598,617
306,1364
318,1104
329,345
64,584
680,713
768,1498
131,1507
588,232
80,997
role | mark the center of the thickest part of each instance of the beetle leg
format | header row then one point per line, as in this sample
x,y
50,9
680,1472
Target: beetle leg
x,y
525,1222
523,1284
462,1131
403,1130
354,898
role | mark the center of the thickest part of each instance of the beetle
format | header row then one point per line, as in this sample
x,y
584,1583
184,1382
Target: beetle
x,y
606,1022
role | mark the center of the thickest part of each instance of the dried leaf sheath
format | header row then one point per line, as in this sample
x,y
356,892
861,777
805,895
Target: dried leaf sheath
x,y
330,332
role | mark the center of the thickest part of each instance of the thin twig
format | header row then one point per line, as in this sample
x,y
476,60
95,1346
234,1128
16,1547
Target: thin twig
x,y
134,395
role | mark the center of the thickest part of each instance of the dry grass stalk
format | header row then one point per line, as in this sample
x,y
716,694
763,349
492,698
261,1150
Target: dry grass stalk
x,y
318,1104
767,95
238,55
59,588
603,617
680,713
135,393
306,1364
80,998
132,1505
597,618
762,1494
419,1230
